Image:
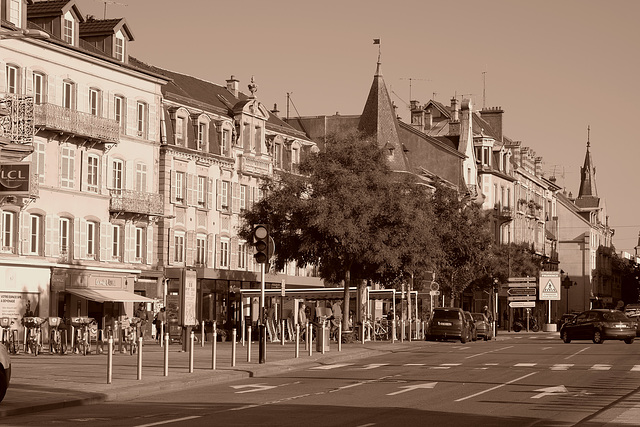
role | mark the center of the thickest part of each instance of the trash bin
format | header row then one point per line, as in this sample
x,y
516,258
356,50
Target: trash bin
x,y
322,339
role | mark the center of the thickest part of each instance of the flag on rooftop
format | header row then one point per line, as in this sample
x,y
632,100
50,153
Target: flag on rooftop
x,y
376,41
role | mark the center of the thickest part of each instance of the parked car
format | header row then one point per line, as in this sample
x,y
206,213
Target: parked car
x,y
599,325
5,371
472,325
566,318
632,311
483,326
448,323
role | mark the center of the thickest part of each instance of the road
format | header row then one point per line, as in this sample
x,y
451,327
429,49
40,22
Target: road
x,y
525,381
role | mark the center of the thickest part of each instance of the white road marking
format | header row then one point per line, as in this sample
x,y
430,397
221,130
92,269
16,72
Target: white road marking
x,y
599,367
414,364
439,367
546,348
487,352
450,364
635,368
372,366
561,366
407,388
495,388
576,353
525,365
176,420
335,366
548,391
256,387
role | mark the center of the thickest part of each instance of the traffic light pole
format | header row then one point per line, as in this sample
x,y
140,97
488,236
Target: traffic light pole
x,y
262,354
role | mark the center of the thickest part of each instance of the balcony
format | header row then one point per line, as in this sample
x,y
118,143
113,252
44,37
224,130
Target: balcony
x,y
54,117
136,203
503,213
253,166
16,118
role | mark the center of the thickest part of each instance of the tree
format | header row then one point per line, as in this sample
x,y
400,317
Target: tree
x,y
346,213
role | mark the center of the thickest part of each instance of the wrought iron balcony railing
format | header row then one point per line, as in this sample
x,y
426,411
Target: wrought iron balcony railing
x,y
62,119
137,202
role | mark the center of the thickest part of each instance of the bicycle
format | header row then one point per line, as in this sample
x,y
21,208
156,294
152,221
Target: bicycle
x,y
131,334
82,342
56,344
9,334
381,329
33,333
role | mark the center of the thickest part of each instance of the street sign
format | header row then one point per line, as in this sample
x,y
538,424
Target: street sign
x,y
522,298
550,285
522,291
434,292
522,285
516,304
522,279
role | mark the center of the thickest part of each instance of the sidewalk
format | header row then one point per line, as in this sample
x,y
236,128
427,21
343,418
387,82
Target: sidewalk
x,y
45,382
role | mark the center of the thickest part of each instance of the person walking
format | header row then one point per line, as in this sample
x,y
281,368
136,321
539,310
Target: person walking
x,y
160,321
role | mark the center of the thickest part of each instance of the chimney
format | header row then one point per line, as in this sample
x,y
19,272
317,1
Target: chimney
x,y
428,120
275,110
233,85
454,110
417,116
538,166
493,116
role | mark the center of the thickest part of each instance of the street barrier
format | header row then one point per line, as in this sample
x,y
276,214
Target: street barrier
x,y
393,331
340,336
202,335
139,358
214,347
309,340
233,347
297,340
249,343
166,355
282,332
110,361
191,339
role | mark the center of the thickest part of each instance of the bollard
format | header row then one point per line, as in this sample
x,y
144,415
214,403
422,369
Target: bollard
x,y
110,361
249,344
321,338
402,330
161,334
393,331
73,339
362,332
213,347
233,347
297,340
282,335
191,338
140,358
202,335
307,340
166,355
410,331
340,336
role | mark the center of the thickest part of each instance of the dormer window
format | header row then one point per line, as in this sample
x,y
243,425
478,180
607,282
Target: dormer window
x,y
181,124
68,28
15,12
119,48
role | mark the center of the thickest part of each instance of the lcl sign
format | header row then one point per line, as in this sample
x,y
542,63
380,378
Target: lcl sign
x,y
14,179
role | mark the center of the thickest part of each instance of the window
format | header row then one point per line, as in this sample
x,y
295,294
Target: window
x,y
64,235
94,102
202,189
38,88
67,32
92,173
224,253
8,229
226,136
15,9
242,255
68,95
202,136
141,177
179,186
91,239
201,243
118,175
141,118
67,167
115,242
34,234
12,79
295,156
179,247
486,156
277,155
119,50
180,130
257,145
38,159
139,243
118,111
244,193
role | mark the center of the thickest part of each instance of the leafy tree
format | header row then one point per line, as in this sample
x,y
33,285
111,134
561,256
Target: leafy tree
x,y
346,213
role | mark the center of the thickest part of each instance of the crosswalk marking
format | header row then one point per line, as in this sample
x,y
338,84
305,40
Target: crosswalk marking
x,y
485,366
561,366
525,364
636,368
598,367
337,365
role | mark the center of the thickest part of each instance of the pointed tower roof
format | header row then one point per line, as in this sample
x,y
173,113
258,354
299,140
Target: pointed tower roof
x,y
379,121
588,194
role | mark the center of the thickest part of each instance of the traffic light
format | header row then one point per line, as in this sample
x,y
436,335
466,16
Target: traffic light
x,y
261,243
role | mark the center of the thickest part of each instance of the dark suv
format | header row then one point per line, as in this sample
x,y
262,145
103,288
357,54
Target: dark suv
x,y
448,323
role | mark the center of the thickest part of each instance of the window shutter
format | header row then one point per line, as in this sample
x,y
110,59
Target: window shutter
x,y
149,253
76,238
104,244
132,125
250,190
129,174
211,243
25,238
107,172
48,235
217,261
234,253
83,239
218,194
172,244
190,197
173,187
151,118
191,236
235,202
55,236
209,193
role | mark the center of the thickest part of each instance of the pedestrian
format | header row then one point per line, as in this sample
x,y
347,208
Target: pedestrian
x,y
160,321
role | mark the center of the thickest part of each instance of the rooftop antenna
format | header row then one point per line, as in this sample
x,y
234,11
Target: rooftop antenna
x,y
484,87
109,2
411,79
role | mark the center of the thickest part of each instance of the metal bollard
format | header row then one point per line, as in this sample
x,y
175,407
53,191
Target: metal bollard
x,y
340,336
362,332
202,335
213,347
166,355
191,339
402,330
321,339
233,347
282,335
297,340
393,331
249,344
140,358
307,341
161,334
410,331
110,361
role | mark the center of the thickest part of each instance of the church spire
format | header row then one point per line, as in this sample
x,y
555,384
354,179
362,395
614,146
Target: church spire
x,y
588,173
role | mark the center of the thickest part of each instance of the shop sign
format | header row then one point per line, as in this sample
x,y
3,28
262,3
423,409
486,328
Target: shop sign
x,y
58,282
14,304
105,282
14,179
189,294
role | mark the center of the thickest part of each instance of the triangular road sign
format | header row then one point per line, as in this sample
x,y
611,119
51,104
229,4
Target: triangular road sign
x,y
549,287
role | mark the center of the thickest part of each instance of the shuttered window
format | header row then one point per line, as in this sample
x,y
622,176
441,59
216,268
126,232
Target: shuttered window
x,y
92,173
35,234
8,231
67,167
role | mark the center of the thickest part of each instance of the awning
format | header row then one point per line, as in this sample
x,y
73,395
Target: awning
x,y
102,295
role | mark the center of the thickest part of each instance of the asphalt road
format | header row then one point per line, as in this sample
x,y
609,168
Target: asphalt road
x,y
521,381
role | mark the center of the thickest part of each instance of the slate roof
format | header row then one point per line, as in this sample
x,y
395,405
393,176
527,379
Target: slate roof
x,y
104,26
53,8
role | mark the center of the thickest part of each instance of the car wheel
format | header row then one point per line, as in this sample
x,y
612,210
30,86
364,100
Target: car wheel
x,y
628,340
565,337
3,384
597,337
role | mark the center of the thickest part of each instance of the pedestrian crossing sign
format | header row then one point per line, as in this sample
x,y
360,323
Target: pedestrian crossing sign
x,y
549,285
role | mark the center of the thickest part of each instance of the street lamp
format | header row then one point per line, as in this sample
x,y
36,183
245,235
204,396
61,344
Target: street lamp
x,y
23,34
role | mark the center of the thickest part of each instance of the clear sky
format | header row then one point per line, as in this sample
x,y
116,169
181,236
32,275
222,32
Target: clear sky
x,y
554,66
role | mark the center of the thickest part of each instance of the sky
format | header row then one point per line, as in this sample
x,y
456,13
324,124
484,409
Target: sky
x,y
555,67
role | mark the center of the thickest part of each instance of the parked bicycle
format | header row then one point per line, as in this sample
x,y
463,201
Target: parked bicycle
x,y
82,342
33,332
9,326
131,333
519,325
381,329
56,343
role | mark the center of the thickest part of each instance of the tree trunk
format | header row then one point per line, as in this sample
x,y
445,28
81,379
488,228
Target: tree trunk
x,y
345,307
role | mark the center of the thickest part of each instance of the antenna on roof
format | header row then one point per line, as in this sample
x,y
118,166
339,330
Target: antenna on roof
x,y
484,87
109,2
410,80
